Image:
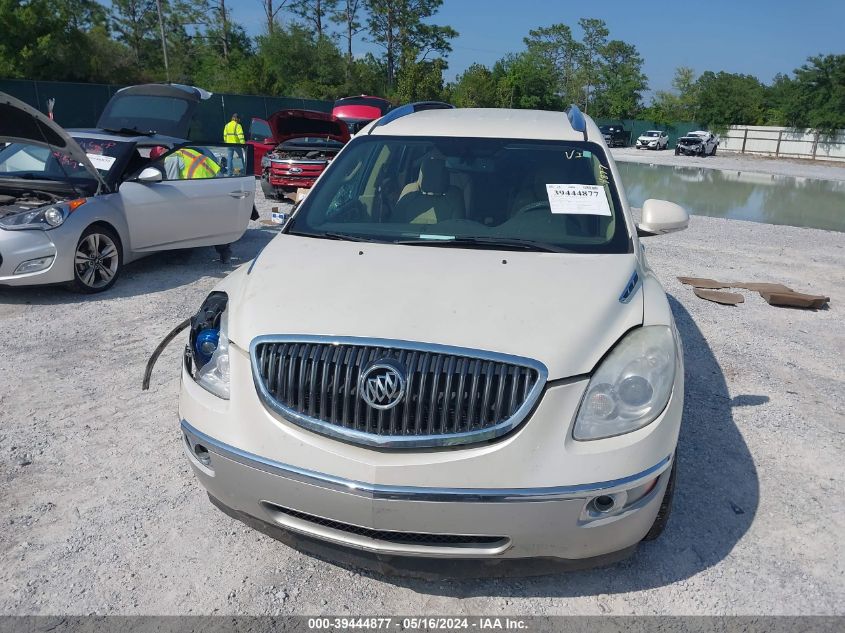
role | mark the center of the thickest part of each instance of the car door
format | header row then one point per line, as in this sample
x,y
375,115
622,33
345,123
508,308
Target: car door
x,y
261,141
195,201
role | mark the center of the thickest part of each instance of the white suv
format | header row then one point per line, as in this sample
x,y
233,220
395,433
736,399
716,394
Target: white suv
x,y
454,349
653,139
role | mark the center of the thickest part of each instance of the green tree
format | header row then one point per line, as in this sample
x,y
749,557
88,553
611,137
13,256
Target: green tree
x,y
558,47
420,81
730,99
292,61
621,82
474,88
315,13
816,97
668,107
135,23
592,45
398,27
347,15
526,80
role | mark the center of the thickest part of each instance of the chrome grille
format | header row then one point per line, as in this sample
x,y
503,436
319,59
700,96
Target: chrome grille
x,y
452,395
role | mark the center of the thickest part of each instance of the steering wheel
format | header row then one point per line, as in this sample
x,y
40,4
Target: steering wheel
x,y
534,206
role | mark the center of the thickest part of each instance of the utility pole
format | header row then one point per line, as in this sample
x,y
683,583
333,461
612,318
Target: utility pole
x,y
163,41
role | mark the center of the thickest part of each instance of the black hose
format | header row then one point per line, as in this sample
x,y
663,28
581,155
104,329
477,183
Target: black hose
x,y
145,385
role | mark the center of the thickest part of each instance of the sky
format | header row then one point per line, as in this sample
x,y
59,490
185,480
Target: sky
x,y
756,37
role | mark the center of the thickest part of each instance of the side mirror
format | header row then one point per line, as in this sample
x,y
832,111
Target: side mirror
x,y
149,175
662,216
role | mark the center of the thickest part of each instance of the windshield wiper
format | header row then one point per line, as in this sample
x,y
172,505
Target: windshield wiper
x,y
489,242
129,130
347,237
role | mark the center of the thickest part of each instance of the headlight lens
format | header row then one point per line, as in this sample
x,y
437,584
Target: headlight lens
x,y
209,345
632,385
43,218
214,375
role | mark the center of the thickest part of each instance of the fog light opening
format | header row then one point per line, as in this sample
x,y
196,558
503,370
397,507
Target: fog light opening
x,y
34,265
202,454
603,504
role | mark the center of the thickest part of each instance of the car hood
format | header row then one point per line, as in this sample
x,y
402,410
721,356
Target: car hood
x,y
560,309
648,138
165,109
21,123
289,124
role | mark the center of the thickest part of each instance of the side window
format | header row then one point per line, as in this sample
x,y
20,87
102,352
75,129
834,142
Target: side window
x,y
259,130
202,162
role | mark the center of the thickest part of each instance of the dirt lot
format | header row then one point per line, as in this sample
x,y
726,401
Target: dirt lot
x,y
101,514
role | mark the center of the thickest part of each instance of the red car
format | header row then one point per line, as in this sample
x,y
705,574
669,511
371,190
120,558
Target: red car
x,y
358,111
293,148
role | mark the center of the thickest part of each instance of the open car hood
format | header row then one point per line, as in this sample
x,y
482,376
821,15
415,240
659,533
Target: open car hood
x,y
165,109
21,123
289,124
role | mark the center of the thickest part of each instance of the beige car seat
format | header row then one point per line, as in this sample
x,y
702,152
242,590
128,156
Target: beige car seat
x,y
435,200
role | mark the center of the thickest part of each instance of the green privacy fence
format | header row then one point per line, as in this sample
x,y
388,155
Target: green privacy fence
x,y
676,129
78,105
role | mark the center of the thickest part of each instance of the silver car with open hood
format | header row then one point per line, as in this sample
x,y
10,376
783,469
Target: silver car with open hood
x,y
76,205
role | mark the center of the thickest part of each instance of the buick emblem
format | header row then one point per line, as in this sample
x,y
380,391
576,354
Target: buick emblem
x,y
382,384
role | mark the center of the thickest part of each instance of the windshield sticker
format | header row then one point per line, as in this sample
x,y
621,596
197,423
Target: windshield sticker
x,y
578,199
101,162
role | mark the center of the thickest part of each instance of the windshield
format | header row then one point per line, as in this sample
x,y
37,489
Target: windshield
x,y
691,139
471,192
652,134
21,160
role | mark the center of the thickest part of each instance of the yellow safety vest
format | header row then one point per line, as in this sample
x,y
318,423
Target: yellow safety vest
x,y
233,133
196,164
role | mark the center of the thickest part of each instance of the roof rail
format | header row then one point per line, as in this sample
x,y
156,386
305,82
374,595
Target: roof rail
x,y
577,120
410,108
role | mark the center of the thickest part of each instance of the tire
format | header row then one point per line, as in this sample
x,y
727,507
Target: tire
x,y
677,152
714,150
97,261
665,510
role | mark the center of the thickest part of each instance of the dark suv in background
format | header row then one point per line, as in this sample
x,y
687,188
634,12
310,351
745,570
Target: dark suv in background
x,y
615,135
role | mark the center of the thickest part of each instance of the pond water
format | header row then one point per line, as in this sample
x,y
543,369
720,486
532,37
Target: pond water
x,y
739,195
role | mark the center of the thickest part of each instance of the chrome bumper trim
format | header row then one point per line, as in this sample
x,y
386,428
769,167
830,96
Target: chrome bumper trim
x,y
414,493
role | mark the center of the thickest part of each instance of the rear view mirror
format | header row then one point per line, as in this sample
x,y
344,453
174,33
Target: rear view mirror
x,y
662,216
149,175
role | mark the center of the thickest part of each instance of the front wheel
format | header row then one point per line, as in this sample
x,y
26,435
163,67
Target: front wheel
x,y
714,150
97,260
677,152
665,510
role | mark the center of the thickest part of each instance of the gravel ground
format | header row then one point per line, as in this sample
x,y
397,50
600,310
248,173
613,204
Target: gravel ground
x,y
100,512
825,170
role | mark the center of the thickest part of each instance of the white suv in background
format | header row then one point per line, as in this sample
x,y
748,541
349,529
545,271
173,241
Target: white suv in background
x,y
455,349
653,139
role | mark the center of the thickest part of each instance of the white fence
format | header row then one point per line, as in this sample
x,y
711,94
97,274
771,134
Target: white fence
x,y
783,141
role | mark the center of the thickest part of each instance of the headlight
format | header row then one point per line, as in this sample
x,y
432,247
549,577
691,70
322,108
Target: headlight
x,y
631,386
43,218
209,345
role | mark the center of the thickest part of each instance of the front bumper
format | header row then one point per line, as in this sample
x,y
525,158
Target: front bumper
x,y
20,246
395,520
690,151
526,495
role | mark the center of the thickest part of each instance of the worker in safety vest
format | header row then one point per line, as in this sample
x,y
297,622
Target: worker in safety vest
x,y
187,163
233,133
